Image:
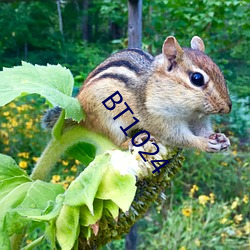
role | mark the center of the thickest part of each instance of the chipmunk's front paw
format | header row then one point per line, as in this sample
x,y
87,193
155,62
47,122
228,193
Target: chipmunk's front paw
x,y
217,142
139,139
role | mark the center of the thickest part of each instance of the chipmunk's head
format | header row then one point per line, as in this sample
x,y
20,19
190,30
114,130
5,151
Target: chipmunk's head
x,y
193,79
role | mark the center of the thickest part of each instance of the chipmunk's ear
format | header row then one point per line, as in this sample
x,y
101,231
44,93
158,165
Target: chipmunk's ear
x,y
197,43
171,49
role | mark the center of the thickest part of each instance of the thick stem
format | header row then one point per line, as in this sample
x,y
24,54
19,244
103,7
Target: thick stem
x,y
57,147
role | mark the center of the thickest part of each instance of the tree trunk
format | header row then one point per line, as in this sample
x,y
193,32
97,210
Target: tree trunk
x,y
85,33
131,238
59,16
135,23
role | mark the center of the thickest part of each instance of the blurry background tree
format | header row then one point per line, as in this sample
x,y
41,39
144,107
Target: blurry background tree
x,y
79,34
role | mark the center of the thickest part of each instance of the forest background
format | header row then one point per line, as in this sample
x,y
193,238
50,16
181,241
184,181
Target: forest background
x,y
207,206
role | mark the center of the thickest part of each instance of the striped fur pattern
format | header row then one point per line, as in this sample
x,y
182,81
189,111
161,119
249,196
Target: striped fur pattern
x,y
161,95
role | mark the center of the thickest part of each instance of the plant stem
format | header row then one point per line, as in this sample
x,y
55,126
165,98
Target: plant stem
x,y
57,147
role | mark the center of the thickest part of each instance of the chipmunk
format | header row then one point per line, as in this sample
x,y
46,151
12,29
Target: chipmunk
x,y
172,95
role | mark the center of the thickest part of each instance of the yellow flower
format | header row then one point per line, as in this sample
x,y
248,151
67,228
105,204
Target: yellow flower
x,y
35,159
77,162
24,155
70,178
197,242
187,211
235,203
29,124
65,163
14,123
203,199
6,113
238,233
4,134
193,190
55,178
23,164
224,164
211,195
182,248
238,218
65,185
234,152
223,220
73,168
245,199
247,227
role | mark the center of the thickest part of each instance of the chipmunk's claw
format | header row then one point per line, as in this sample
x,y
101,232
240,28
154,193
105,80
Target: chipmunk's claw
x,y
218,142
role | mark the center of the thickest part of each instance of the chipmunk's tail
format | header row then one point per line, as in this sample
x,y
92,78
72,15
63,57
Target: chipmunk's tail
x,y
50,117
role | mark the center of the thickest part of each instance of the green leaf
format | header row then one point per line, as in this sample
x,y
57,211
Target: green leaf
x,y
58,127
39,194
9,168
83,152
112,207
86,218
118,188
67,226
83,189
6,186
53,82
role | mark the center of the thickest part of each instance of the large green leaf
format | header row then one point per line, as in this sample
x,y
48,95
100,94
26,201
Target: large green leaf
x,y
86,218
83,152
118,188
9,168
21,198
53,82
67,226
82,191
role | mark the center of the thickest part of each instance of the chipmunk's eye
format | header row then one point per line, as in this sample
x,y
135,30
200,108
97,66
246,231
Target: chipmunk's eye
x,y
197,79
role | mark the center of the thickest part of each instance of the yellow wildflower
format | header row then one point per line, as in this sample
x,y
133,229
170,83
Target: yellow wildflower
x,y
223,220
247,227
35,159
65,163
12,105
225,164
14,123
73,168
197,242
65,185
187,211
55,178
24,155
6,113
193,190
238,218
183,248
4,134
235,203
77,162
234,152
29,124
203,199
238,233
70,178
211,195
23,164
245,199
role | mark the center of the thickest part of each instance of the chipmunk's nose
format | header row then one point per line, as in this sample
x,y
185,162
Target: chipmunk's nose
x,y
227,108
